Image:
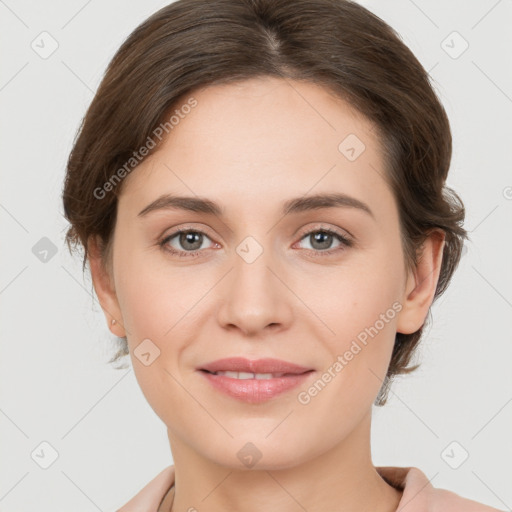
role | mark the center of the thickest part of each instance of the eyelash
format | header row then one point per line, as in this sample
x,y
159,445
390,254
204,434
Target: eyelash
x,y
345,242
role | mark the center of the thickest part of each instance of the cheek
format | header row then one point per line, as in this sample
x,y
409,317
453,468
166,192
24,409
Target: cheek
x,y
160,305
353,296
154,314
150,299
358,305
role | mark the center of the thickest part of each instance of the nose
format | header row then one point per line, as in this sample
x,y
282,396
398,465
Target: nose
x,y
254,297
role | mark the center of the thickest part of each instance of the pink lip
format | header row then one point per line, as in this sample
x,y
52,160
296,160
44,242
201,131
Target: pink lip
x,y
255,390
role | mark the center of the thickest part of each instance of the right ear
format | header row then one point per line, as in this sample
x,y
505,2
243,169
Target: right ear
x,y
105,290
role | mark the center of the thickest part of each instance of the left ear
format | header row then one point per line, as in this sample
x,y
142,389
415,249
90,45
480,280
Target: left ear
x,y
421,284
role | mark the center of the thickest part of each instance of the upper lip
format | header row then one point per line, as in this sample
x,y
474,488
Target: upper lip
x,y
267,365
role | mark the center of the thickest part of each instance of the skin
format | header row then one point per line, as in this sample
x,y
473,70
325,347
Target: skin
x,y
250,146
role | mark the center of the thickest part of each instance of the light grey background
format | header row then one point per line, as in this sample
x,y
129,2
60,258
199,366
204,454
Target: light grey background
x,y
55,383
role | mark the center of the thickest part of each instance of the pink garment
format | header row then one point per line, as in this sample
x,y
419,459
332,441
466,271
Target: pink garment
x,y
418,493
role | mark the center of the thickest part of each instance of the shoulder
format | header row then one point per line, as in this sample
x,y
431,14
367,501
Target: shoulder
x,y
150,496
420,496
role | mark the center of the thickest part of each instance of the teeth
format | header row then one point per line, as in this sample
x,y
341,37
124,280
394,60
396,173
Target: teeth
x,y
242,375
231,375
247,375
262,376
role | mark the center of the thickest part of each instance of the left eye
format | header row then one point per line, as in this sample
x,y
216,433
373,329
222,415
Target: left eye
x,y
321,240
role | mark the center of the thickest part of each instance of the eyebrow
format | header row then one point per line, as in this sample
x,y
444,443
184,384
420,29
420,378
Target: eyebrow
x,y
296,205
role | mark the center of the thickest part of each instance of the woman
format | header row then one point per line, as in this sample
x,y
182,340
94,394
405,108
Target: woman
x,y
300,149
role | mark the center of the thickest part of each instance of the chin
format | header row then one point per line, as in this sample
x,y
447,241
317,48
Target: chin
x,y
254,453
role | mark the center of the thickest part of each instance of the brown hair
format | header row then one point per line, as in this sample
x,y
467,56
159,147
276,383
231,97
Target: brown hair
x,y
338,44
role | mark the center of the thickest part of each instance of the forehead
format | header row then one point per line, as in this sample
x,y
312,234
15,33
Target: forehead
x,y
280,112
264,137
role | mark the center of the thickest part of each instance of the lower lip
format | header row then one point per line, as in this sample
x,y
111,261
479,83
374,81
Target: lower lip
x,y
255,391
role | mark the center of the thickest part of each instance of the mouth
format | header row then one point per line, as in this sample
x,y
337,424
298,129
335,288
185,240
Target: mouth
x,y
250,375
254,381
267,368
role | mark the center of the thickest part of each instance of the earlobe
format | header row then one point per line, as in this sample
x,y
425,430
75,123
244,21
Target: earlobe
x,y
421,284
105,289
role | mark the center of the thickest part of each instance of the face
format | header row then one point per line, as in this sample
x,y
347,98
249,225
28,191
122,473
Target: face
x,y
324,288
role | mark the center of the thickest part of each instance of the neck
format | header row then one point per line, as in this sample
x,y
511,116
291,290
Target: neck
x,y
343,478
